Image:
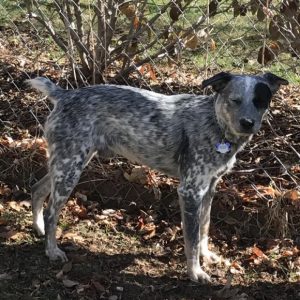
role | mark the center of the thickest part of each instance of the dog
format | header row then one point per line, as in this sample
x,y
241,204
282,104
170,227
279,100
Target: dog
x,y
195,138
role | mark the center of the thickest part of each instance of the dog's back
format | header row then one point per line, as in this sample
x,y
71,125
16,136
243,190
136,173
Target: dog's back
x,y
119,119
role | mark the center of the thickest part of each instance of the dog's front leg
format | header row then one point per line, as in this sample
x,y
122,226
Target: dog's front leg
x,y
204,213
191,203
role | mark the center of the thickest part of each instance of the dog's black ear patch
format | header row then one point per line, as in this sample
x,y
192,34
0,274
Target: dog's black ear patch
x,y
274,81
218,82
262,96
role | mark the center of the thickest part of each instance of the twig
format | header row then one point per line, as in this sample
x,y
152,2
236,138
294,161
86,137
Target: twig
x,y
81,47
160,52
48,25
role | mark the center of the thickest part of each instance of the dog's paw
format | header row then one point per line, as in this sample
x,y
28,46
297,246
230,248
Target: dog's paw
x,y
210,257
199,276
39,226
56,253
196,273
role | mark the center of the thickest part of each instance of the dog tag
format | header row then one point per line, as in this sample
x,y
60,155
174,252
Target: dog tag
x,y
223,147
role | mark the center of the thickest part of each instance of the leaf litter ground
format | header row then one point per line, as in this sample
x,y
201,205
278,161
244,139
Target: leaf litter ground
x,y
121,228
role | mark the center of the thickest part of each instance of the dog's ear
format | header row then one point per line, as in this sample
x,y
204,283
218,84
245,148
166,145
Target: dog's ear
x,y
274,82
218,82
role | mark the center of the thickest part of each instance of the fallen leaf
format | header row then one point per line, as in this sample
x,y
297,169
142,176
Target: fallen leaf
x,y
148,231
81,196
8,234
236,268
259,253
230,220
268,191
35,283
272,245
5,191
213,6
58,233
80,211
18,236
67,267
73,236
25,203
260,14
137,175
213,45
287,253
108,212
98,286
265,55
175,11
69,283
191,41
292,195
152,73
149,235
3,221
141,223
172,232
76,258
242,296
5,276
226,291
100,217
296,168
60,274
136,22
9,140
14,205
274,29
81,288
128,9
40,141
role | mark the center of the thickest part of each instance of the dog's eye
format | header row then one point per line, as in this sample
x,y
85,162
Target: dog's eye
x,y
236,100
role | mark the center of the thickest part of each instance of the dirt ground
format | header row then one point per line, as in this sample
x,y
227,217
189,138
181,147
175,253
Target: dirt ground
x,y
121,228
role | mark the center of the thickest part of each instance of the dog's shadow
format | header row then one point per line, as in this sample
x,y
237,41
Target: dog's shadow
x,y
29,275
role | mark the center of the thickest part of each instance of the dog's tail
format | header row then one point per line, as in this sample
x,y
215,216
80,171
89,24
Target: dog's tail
x,y
46,86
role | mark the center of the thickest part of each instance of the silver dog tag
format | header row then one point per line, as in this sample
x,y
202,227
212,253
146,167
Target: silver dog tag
x,y
223,147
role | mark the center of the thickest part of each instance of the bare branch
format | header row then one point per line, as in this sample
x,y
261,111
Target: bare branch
x,y
75,37
78,16
42,19
161,52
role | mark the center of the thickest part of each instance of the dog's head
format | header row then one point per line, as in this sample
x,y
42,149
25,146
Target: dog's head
x,y
242,100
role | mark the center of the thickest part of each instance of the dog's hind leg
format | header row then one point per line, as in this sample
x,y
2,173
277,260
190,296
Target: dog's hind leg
x,y
40,191
65,173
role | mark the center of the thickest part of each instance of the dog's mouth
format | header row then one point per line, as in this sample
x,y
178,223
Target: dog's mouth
x,y
235,130
245,132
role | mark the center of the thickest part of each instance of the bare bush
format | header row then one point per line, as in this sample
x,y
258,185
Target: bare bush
x,y
105,34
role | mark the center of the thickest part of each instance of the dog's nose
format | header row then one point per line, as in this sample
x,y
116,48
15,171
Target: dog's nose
x,y
247,123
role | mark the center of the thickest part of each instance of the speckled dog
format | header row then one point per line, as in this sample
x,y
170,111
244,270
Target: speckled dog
x,y
195,138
